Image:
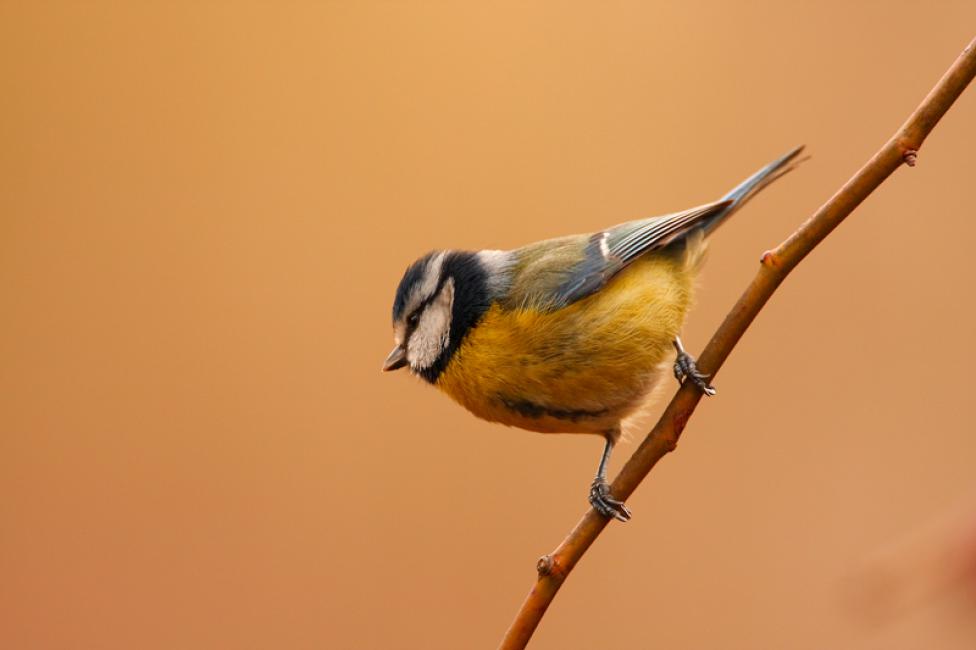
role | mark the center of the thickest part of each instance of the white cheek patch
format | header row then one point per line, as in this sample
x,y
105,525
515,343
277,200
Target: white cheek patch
x,y
433,331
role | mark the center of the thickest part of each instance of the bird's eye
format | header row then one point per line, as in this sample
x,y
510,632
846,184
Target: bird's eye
x,y
413,319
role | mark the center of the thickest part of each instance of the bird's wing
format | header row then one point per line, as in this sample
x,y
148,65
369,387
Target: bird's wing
x,y
555,273
608,252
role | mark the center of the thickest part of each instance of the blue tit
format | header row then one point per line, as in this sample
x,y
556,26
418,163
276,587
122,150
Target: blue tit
x,y
567,335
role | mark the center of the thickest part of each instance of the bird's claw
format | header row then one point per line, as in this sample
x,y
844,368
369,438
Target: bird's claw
x,y
605,504
686,368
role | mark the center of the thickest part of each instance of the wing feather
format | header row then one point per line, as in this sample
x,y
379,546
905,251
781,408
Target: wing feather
x,y
610,251
598,257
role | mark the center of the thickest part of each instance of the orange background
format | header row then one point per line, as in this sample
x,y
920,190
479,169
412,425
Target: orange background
x,y
204,212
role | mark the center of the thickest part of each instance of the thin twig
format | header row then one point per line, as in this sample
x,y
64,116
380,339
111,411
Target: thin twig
x,y
774,266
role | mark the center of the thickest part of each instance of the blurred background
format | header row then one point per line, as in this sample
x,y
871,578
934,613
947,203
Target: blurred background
x,y
205,209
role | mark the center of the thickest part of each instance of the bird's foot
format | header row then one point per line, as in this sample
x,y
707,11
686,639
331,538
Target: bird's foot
x,y
685,367
605,504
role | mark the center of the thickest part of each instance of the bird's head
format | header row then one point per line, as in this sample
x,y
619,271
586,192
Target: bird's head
x,y
441,296
422,314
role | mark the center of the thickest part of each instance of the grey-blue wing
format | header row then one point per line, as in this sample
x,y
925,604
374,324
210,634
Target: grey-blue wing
x,y
612,250
606,253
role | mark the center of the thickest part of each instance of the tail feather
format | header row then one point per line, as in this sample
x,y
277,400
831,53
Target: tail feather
x,y
748,188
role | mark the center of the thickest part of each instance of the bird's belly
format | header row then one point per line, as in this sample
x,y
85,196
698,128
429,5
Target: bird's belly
x,y
579,369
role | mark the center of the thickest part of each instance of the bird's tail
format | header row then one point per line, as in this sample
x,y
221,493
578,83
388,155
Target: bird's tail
x,y
748,188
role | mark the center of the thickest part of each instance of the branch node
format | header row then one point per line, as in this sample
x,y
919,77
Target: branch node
x,y
910,157
548,566
545,565
770,259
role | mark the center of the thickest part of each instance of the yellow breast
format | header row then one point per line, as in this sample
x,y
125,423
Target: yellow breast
x,y
582,368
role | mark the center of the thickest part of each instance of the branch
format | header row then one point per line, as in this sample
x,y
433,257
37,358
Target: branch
x,y
775,265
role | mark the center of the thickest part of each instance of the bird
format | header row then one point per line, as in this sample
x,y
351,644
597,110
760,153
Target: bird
x,y
565,335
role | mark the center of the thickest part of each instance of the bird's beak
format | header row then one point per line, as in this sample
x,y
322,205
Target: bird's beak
x,y
396,360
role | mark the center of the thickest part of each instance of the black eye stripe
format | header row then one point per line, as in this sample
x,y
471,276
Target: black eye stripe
x,y
414,318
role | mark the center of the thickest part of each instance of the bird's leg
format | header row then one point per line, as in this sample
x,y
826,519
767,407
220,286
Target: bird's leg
x,y
685,367
600,497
